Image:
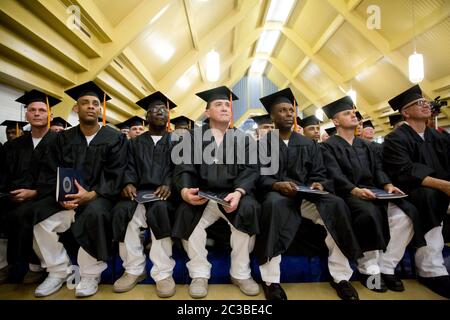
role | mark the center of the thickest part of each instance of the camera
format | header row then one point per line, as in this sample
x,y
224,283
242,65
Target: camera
x,y
437,104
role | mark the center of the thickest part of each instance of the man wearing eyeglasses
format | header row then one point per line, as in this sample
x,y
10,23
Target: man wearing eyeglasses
x,y
149,167
418,160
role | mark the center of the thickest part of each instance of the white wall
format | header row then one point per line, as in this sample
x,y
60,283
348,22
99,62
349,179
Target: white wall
x,y
9,109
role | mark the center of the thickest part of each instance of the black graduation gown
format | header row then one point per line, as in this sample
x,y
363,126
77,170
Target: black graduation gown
x,y
299,162
220,178
27,168
358,165
102,164
149,166
409,159
3,190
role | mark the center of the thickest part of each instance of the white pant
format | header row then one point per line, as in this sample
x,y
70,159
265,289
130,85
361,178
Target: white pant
x,y
337,262
52,252
3,253
131,250
401,231
241,246
429,259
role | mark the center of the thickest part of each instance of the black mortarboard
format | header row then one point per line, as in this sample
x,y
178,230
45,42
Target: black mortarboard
x,y
37,96
133,121
342,104
367,124
263,119
219,93
406,97
309,121
358,115
395,118
87,89
331,131
156,98
12,124
58,121
182,120
281,96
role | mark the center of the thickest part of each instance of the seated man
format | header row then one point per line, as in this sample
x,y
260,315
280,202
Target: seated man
x,y
149,168
99,153
311,127
264,123
14,129
418,159
300,163
232,180
380,225
28,169
135,126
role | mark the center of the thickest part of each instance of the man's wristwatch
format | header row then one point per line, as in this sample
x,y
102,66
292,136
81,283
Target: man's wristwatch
x,y
241,191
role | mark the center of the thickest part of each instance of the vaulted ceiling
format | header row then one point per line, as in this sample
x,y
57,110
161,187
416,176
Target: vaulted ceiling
x,y
135,47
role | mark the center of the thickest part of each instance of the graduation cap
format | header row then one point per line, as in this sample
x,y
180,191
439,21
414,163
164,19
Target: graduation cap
x,y
412,94
39,96
282,96
331,131
157,99
358,115
90,89
342,104
219,93
182,121
394,119
58,121
133,121
309,121
263,119
367,124
14,124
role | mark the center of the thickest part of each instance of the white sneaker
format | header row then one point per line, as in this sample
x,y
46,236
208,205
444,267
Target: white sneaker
x,y
50,285
88,286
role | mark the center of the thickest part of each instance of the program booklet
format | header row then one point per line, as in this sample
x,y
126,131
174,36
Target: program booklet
x,y
213,197
65,183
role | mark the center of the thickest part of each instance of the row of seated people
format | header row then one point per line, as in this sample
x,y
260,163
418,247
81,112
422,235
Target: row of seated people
x,y
259,200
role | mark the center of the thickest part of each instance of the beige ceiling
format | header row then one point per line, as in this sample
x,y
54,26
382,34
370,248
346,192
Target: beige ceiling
x,y
135,47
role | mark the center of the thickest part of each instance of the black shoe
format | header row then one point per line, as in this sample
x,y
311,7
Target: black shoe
x,y
373,282
34,277
392,282
274,291
439,285
5,274
345,290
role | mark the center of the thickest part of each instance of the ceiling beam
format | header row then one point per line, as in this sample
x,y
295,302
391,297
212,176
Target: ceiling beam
x,y
307,50
328,33
25,53
127,78
17,75
379,42
284,70
95,19
207,43
441,83
55,14
194,37
123,34
114,86
243,46
22,21
436,17
326,68
138,68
